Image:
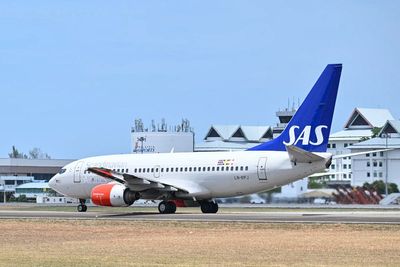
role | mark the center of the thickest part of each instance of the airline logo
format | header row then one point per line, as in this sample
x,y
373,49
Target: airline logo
x,y
304,136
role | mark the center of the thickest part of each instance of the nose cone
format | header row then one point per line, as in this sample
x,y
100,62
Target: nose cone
x,y
52,182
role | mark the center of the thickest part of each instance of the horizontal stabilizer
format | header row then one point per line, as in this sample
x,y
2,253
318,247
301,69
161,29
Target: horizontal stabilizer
x,y
299,155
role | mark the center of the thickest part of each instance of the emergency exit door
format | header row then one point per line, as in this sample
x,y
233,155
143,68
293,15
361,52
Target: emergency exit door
x,y
262,169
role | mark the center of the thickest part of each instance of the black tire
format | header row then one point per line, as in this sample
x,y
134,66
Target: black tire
x,y
209,207
171,207
163,207
84,208
80,208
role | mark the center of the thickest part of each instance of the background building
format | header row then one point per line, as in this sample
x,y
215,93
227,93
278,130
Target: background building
x,y
359,126
16,171
161,138
384,165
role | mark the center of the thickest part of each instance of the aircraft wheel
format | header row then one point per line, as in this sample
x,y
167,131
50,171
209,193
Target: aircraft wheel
x,y
82,207
209,207
166,207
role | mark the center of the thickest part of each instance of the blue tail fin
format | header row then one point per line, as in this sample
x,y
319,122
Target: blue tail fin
x,y
310,127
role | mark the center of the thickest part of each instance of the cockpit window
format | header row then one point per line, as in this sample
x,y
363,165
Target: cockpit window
x,y
62,171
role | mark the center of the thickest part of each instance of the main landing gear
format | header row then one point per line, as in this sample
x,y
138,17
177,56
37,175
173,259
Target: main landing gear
x,y
208,207
82,206
167,207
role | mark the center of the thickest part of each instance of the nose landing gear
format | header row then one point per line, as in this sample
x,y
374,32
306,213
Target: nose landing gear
x,y
82,206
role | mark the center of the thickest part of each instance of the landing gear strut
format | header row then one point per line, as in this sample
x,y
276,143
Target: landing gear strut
x,y
209,207
82,206
166,207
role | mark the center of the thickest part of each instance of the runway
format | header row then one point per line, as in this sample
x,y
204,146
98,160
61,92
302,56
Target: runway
x,y
351,217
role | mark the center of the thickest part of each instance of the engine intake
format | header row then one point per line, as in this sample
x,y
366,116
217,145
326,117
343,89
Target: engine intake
x,y
114,195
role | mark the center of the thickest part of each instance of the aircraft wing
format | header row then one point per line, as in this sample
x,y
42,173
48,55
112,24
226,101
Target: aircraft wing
x,y
137,183
360,153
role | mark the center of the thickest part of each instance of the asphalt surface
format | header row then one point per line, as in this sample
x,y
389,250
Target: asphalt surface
x,y
354,217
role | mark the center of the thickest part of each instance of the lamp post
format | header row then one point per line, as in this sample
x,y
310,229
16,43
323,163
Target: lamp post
x,y
386,163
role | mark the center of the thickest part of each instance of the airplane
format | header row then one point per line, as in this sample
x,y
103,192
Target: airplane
x,y
299,151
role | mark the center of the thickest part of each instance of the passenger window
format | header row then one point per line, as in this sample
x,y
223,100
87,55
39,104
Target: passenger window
x,y
241,168
232,168
213,168
208,169
140,170
135,170
227,168
199,169
247,168
172,169
162,169
237,168
181,169
217,168
167,170
148,169
126,170
122,170
156,169
152,169
185,169
222,168
204,169
190,169
194,169
176,169
117,170
144,170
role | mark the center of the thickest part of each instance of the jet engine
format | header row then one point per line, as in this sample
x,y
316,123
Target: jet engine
x,y
115,195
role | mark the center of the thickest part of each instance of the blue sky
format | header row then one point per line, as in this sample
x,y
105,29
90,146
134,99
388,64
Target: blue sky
x,y
75,74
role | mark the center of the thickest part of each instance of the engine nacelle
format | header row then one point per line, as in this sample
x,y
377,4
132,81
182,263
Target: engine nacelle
x,y
115,195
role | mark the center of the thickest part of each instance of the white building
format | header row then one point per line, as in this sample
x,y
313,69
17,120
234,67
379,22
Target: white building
x,y
358,127
378,165
179,138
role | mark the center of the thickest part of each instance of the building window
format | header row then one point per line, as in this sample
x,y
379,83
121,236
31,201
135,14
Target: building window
x,y
368,174
381,153
344,166
345,144
374,154
375,174
333,145
380,163
380,175
375,164
333,166
368,164
329,145
367,155
345,176
349,166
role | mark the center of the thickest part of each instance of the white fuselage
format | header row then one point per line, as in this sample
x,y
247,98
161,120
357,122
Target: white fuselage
x,y
206,174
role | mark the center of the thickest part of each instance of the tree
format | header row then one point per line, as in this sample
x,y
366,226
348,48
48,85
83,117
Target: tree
x,y
379,186
375,131
15,154
36,153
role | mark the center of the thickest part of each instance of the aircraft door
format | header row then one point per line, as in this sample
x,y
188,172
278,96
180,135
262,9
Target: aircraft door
x,y
78,172
262,169
157,171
